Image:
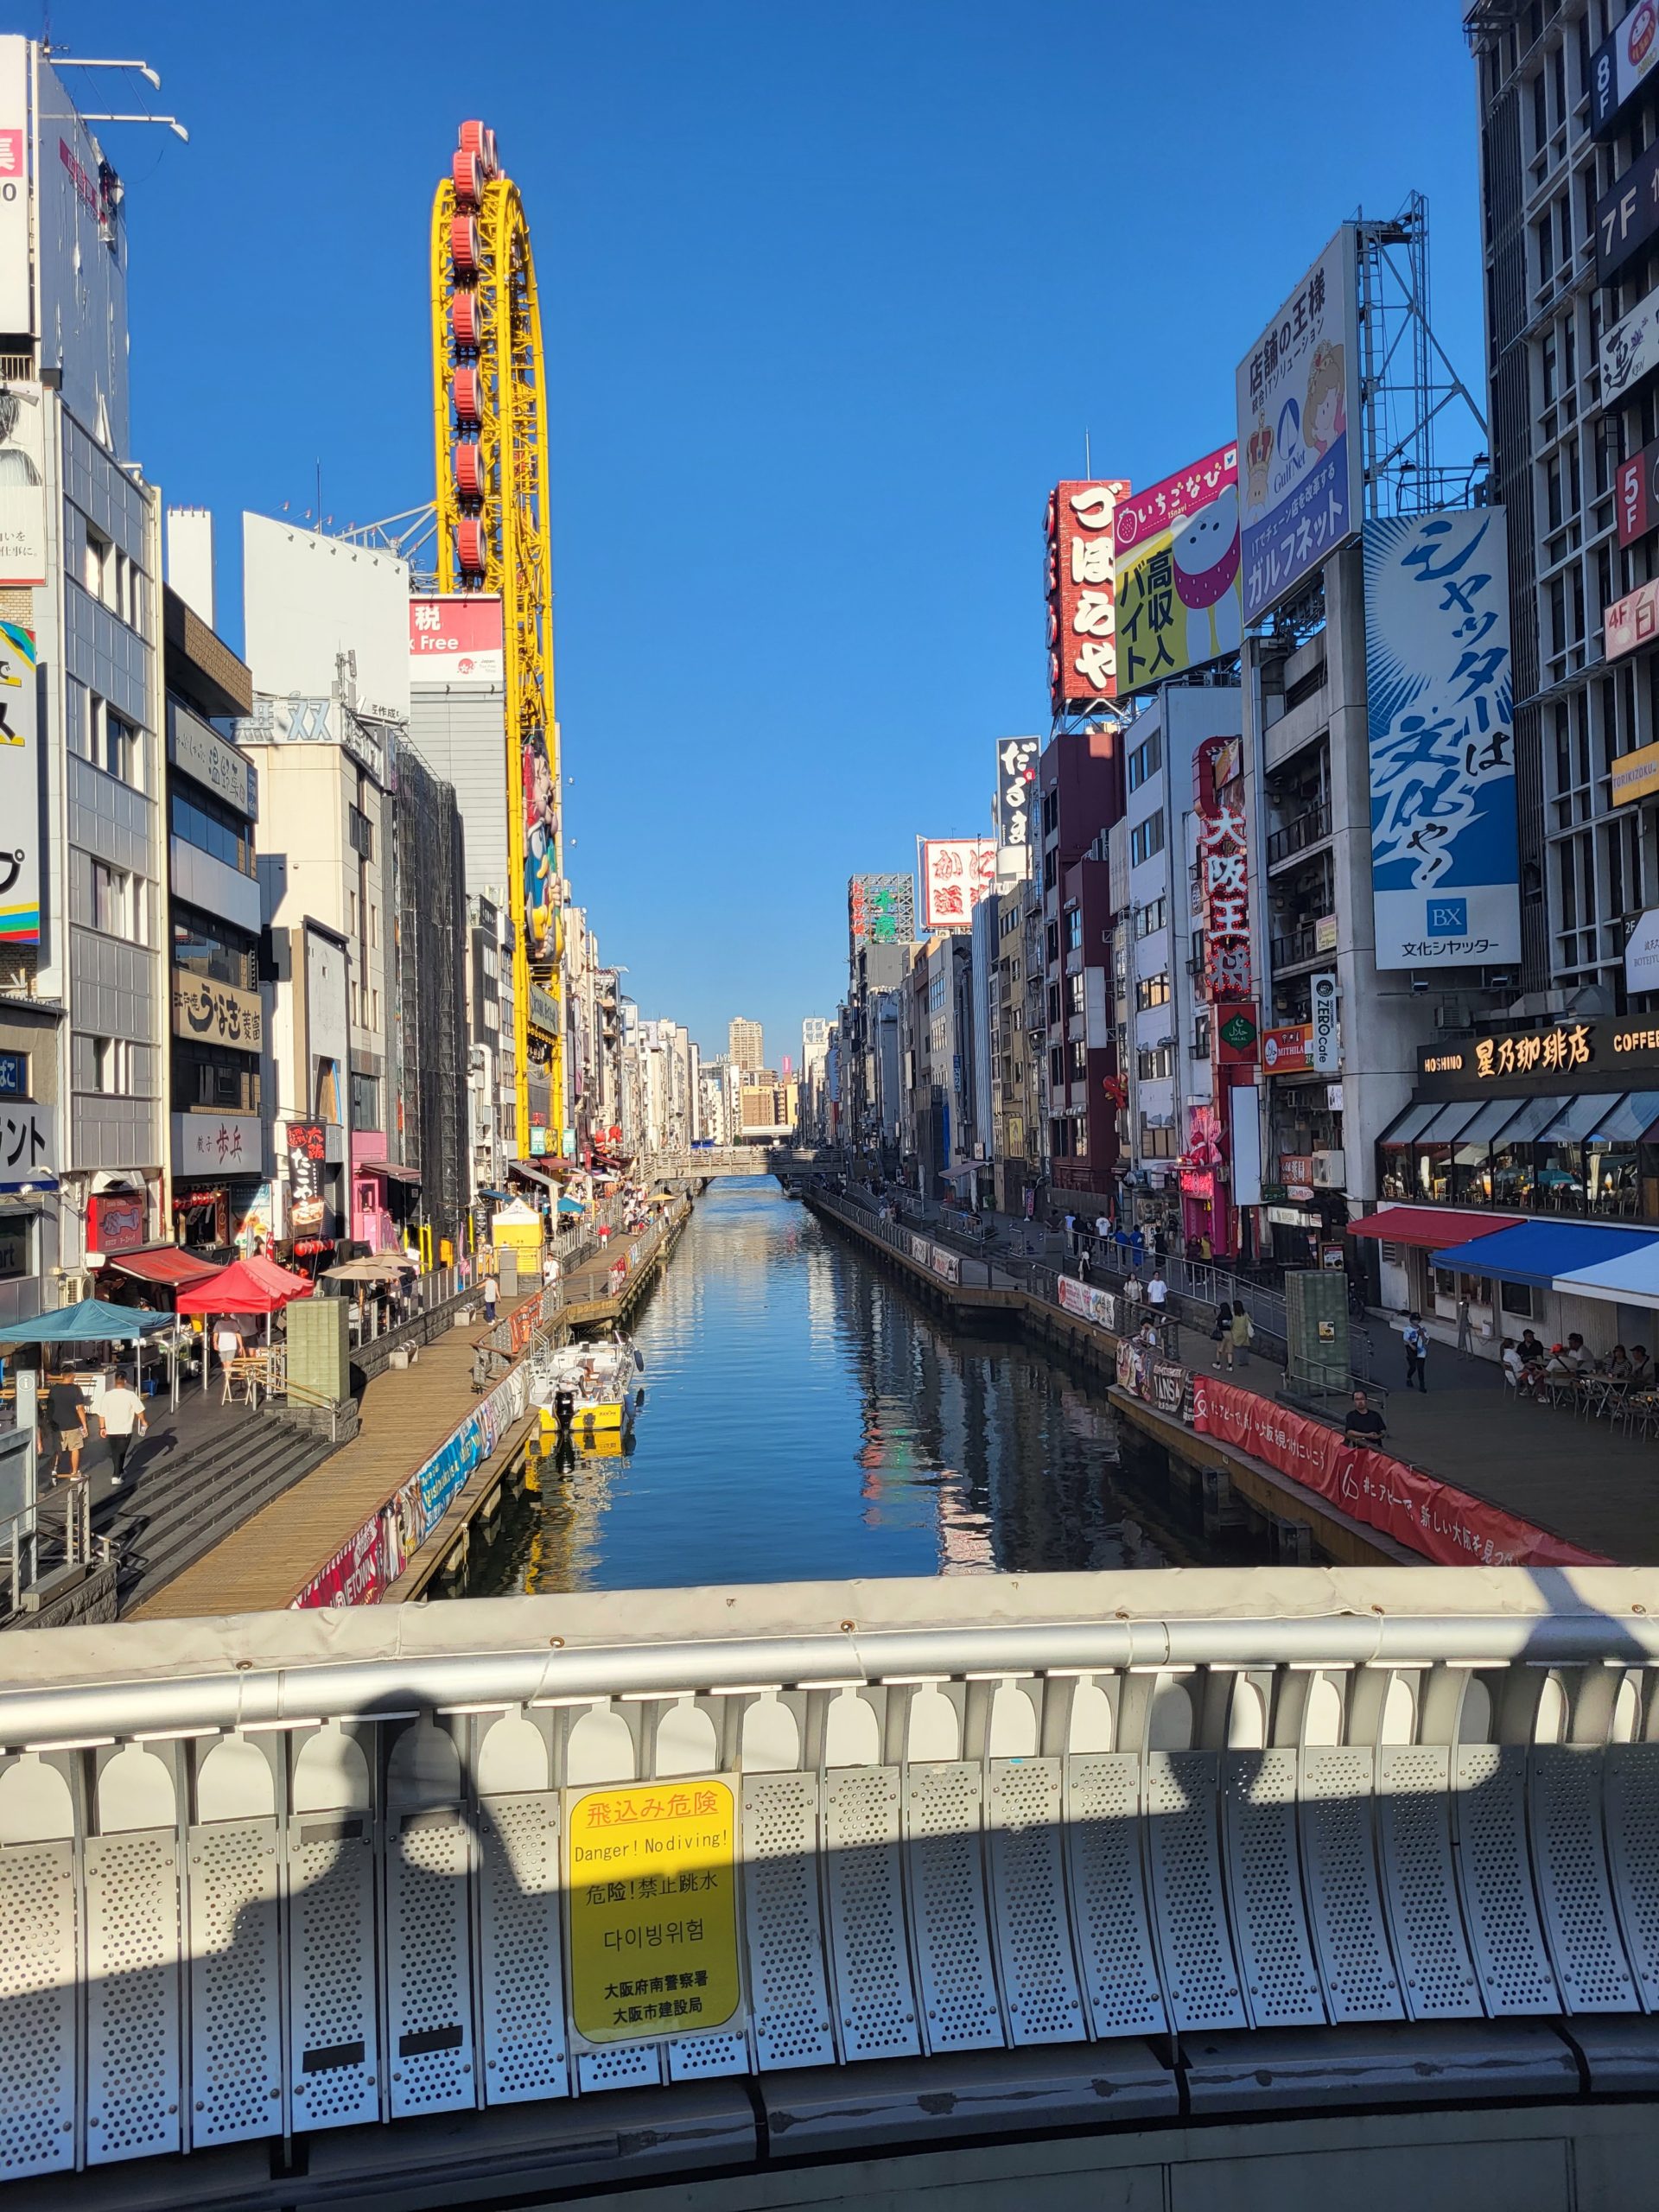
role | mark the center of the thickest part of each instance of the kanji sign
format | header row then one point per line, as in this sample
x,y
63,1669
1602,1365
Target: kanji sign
x,y
1082,594
307,1209
1176,564
1539,1051
957,873
25,1145
1445,847
1298,393
1016,789
218,1013
456,638
651,1898
1633,621
1621,64
1223,864
881,910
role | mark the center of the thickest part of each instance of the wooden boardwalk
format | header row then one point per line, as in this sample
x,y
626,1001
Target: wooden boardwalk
x,y
404,1415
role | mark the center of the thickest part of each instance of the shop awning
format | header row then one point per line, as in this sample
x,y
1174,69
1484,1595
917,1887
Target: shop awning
x,y
91,1322
1628,1120
1578,1118
1491,1122
165,1264
1410,1124
1631,1280
531,1173
391,1168
1542,1252
1452,1120
1428,1226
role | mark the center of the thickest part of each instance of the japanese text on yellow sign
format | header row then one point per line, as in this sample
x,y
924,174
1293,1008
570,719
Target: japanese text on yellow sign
x,y
651,1884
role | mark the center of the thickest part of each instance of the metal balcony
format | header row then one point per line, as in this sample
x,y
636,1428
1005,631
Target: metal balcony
x,y
1295,836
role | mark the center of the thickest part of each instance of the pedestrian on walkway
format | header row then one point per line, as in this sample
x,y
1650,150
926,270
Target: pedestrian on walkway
x,y
550,1270
64,1425
1071,1232
1138,1247
119,1411
1465,1330
1102,1226
1083,1263
1239,1333
1157,1289
492,1296
1416,1340
1365,1424
1222,1332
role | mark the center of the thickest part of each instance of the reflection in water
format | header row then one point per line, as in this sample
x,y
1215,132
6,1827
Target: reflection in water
x,y
805,1419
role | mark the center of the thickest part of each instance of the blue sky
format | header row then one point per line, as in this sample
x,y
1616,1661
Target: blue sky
x,y
831,295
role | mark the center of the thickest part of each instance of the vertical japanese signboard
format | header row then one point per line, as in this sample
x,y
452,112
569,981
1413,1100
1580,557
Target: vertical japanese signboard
x,y
1635,494
17,310
1621,64
1016,791
1177,572
957,873
881,910
307,1209
1444,856
1224,876
1298,430
1082,594
650,1889
20,789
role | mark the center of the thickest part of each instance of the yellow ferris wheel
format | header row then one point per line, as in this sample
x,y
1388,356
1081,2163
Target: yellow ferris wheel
x,y
489,405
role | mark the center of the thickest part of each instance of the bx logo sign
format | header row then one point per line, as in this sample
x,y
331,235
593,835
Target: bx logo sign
x,y
1448,918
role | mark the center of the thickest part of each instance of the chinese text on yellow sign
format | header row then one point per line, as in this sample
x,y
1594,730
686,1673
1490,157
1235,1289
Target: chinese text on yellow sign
x,y
651,1883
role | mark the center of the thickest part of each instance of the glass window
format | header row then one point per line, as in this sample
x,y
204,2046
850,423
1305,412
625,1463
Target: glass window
x,y
214,948
213,828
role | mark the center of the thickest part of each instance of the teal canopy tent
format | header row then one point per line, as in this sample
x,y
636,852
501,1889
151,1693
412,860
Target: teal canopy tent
x,y
94,1321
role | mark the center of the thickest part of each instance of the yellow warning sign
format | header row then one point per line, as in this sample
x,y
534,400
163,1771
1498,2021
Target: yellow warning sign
x,y
650,1891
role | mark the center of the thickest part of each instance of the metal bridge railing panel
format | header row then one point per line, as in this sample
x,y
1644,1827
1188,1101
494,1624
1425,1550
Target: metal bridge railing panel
x,y
1108,1894
1633,1848
1414,1812
521,1949
789,1990
696,2058
40,1979
236,2022
1029,1919
621,2066
875,2001
1264,1885
1201,1980
1495,1881
133,2054
944,1871
1569,1859
429,1961
333,2047
1340,1854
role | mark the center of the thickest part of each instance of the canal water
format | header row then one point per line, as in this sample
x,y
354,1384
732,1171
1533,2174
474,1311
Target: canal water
x,y
805,1419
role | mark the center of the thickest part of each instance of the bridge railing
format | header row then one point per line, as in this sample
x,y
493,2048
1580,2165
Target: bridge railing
x,y
286,1873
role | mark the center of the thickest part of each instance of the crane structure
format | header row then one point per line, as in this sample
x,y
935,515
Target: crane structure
x,y
489,405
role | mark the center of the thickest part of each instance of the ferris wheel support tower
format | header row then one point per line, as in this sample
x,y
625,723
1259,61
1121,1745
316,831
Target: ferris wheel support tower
x,y
489,406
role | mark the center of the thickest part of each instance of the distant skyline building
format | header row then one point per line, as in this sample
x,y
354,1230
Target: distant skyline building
x,y
744,1044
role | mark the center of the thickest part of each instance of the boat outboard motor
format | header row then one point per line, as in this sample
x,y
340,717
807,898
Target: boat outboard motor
x,y
565,1408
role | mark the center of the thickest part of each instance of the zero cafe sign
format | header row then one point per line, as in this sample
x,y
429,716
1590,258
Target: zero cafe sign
x,y
1569,1052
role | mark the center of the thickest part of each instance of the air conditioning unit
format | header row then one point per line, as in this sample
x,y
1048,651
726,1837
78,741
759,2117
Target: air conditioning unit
x,y
1451,1013
1330,1171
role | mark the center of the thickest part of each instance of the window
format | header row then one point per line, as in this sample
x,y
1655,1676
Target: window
x,y
1053,1002
214,1077
205,946
1146,839
1079,1053
98,568
1152,917
366,1103
1156,1144
112,1066
1155,1064
1201,1037
1074,1003
1056,1066
1152,990
213,828
123,749
117,905
359,832
1146,760
1074,928
1051,942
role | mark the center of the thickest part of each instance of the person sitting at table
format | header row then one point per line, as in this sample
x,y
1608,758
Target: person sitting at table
x,y
1641,1375
1514,1364
1577,1354
1618,1364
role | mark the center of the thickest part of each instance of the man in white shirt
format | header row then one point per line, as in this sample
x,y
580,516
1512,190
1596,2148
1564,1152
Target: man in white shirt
x,y
1157,1289
492,1292
120,1410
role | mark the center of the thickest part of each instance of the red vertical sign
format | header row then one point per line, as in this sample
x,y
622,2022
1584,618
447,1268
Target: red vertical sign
x,y
1082,595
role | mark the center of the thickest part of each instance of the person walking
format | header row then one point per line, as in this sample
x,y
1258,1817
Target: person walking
x,y
1082,1262
64,1427
492,1296
1239,1333
1465,1329
1416,1342
120,1410
1157,1288
1222,1332
227,1339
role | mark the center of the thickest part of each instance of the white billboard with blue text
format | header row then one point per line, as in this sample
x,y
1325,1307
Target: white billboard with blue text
x,y
1445,858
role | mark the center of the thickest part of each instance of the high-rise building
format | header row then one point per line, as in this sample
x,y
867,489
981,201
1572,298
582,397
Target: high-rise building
x,y
744,1044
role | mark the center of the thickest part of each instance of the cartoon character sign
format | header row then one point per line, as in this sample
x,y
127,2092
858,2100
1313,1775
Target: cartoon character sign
x,y
1177,572
1206,552
541,849
1325,413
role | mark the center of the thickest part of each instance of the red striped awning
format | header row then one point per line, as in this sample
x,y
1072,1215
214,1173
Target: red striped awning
x,y
1430,1227
165,1263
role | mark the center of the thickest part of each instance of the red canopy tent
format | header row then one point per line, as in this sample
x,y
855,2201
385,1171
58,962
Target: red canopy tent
x,y
253,1285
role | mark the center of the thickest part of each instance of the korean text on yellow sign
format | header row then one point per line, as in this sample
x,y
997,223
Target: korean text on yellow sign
x,y
651,1891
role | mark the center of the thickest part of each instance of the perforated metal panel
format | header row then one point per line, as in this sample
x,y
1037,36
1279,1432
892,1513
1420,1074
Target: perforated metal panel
x,y
1414,1812
1350,1939
1104,1867
1202,1983
1569,1859
1632,1804
1494,1882
1264,1886
693,2058
620,2066
944,1876
133,1995
874,2001
521,1968
235,2021
1028,1912
40,1968
429,1962
333,2043
789,1990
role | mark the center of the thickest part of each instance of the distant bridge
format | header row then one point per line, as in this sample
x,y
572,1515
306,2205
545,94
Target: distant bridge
x,y
1365,1859
729,1159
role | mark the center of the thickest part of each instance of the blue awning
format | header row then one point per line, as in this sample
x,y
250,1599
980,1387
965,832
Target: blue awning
x,y
1538,1252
